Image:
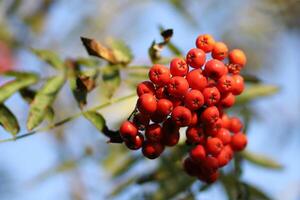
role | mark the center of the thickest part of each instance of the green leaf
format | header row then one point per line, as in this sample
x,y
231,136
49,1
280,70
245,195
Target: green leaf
x,y
96,119
261,160
8,121
111,80
43,100
78,88
28,95
22,80
121,51
255,193
256,91
50,57
87,62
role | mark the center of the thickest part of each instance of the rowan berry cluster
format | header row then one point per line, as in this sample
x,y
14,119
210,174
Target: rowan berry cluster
x,y
194,93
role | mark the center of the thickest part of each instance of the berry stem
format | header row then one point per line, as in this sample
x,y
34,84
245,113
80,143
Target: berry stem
x,y
68,119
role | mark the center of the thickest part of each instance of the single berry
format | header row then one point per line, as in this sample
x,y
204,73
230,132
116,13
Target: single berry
x,y
196,80
214,146
220,51
181,116
195,135
170,138
235,125
210,164
195,58
189,166
136,143
237,56
210,115
164,107
214,69
223,158
145,87
153,133
178,67
193,100
178,86
152,150
157,117
141,120
205,42
238,141
225,121
147,104
238,84
159,74
128,130
227,100
198,153
225,84
211,96
224,135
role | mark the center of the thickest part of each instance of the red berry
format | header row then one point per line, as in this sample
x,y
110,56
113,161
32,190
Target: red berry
x,y
181,116
147,104
152,150
161,93
224,135
157,117
237,56
229,151
164,107
153,133
205,42
225,84
194,119
178,86
210,115
235,125
227,100
210,164
214,69
214,146
238,84
178,67
212,129
211,178
198,153
196,80
136,143
145,87
238,141
193,99
225,121
128,130
220,51
171,138
234,68
195,135
176,102
211,96
189,166
141,120
195,58
159,75
223,158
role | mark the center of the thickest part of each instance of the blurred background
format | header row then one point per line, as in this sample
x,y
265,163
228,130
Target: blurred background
x,y
75,162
